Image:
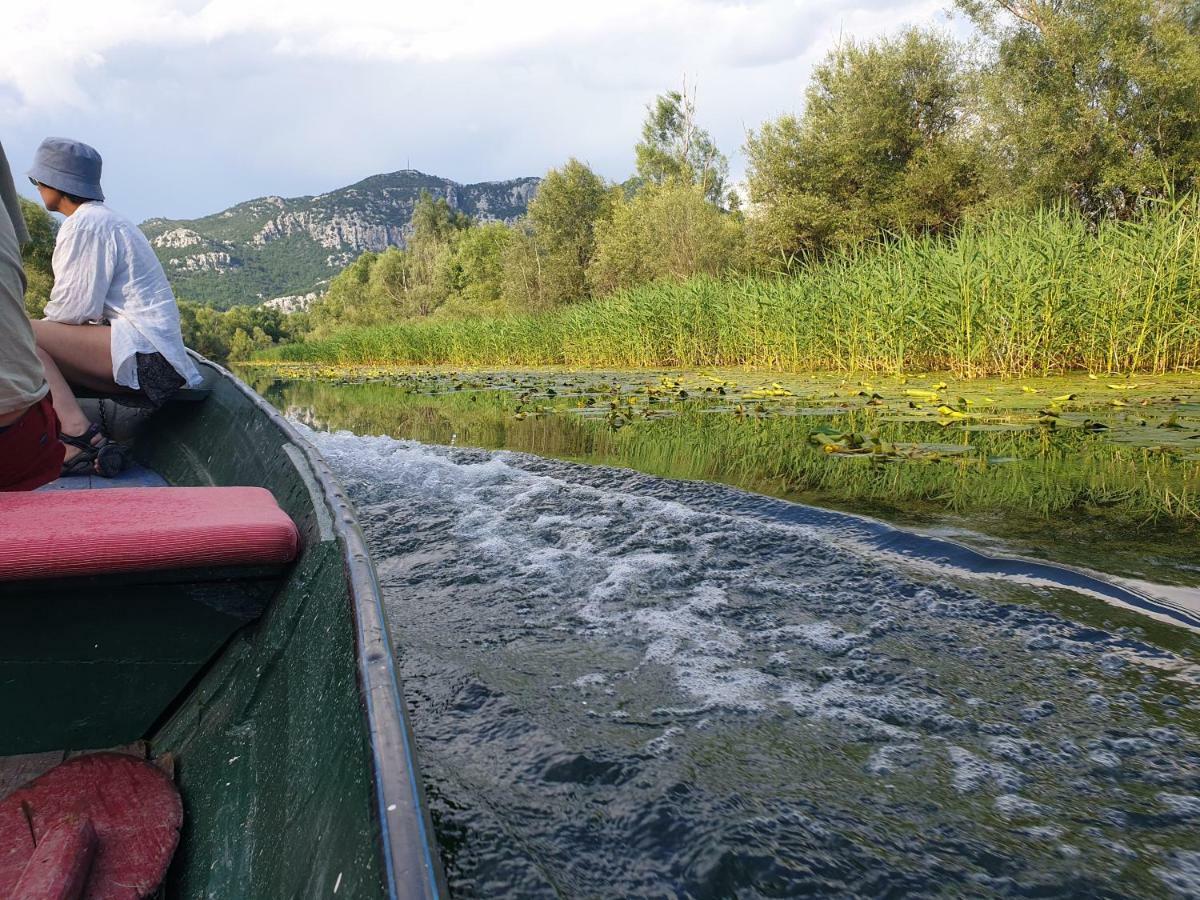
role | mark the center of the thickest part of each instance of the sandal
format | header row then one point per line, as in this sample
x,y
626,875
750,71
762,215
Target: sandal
x,y
106,459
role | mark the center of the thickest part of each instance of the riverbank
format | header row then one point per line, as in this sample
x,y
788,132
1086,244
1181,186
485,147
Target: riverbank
x,y
1013,294
1103,472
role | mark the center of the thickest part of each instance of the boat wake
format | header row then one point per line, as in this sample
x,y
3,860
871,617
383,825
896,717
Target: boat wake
x,y
623,685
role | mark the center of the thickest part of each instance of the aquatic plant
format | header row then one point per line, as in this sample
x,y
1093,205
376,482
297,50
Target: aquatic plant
x,y
1067,465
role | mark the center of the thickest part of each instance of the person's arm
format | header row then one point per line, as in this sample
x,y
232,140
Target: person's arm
x,y
84,262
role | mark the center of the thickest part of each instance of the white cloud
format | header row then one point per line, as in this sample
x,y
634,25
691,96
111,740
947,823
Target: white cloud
x,y
48,52
197,105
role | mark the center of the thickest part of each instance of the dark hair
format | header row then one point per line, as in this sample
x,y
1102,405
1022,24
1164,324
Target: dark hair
x,y
74,198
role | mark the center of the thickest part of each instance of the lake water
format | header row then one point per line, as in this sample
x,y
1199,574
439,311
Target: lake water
x,y
630,685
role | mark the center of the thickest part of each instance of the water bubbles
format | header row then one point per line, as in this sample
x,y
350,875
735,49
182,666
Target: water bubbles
x,y
1112,663
1105,759
758,683
971,772
1181,874
1014,806
1185,806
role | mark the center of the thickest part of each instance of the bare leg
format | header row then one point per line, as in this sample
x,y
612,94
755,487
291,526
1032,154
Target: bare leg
x,y
70,415
82,353
79,355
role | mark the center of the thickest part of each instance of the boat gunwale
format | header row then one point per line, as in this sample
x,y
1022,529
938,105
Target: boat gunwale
x,y
412,867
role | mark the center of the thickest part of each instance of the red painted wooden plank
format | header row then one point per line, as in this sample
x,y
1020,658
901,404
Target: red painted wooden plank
x,y
135,810
59,866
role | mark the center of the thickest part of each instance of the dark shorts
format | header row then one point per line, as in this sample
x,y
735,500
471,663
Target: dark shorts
x,y
157,378
30,452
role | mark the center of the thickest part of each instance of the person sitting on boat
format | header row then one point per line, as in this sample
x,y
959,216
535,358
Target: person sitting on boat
x,y
112,323
30,452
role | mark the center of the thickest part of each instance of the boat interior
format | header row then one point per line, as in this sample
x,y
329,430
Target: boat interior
x,y
203,607
105,615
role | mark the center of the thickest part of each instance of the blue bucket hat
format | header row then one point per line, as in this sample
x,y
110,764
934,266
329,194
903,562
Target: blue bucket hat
x,y
68,166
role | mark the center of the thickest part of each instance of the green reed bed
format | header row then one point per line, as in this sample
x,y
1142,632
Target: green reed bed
x,y
1012,294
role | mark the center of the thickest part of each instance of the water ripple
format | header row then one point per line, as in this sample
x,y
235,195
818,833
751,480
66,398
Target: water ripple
x,y
627,686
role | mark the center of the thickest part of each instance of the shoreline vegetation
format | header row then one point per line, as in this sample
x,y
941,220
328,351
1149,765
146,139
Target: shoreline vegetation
x,y
1013,294
1024,201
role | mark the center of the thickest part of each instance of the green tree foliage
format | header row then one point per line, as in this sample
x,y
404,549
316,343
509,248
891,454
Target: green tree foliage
x,y
521,267
399,283
882,145
419,279
1098,102
435,221
674,148
346,301
668,231
476,272
37,256
549,258
238,332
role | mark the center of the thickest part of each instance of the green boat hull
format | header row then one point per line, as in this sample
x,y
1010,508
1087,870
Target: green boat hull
x,y
276,693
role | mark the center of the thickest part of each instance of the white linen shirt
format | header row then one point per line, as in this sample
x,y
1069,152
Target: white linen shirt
x,y
104,269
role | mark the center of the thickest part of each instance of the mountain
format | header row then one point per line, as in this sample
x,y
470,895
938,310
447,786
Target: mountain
x,y
275,247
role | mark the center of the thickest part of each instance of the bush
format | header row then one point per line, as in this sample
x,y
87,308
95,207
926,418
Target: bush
x,y
668,231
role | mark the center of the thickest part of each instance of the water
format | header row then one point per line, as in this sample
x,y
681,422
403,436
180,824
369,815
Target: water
x,y
623,685
1093,485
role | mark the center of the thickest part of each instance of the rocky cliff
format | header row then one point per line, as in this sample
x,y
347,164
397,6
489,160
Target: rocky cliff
x,y
273,247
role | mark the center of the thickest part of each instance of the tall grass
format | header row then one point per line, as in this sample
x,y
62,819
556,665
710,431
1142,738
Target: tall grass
x,y
1018,294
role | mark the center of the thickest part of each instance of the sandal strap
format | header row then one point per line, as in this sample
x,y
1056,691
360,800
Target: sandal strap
x,y
83,463
82,441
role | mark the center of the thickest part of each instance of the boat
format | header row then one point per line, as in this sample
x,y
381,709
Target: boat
x,y
270,688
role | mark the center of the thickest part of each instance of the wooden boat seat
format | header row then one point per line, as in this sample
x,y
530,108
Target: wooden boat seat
x,y
136,475
59,534
112,601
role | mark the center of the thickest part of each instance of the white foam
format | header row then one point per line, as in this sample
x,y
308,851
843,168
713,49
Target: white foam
x,y
1014,806
1183,805
971,772
826,637
1182,873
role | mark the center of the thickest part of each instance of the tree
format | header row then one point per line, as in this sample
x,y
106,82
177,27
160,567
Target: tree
x,y
345,302
1097,101
674,148
203,330
37,256
667,231
419,279
562,217
398,283
241,346
521,264
237,332
883,144
436,221
477,270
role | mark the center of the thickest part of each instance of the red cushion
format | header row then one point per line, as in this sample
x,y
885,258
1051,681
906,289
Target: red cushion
x,y
57,533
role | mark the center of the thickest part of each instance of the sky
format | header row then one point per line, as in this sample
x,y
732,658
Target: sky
x,y
196,106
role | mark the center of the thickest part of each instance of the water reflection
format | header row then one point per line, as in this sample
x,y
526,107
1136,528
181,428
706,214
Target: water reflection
x,y
1071,494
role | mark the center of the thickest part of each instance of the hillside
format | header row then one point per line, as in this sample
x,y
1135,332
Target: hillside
x,y
274,247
